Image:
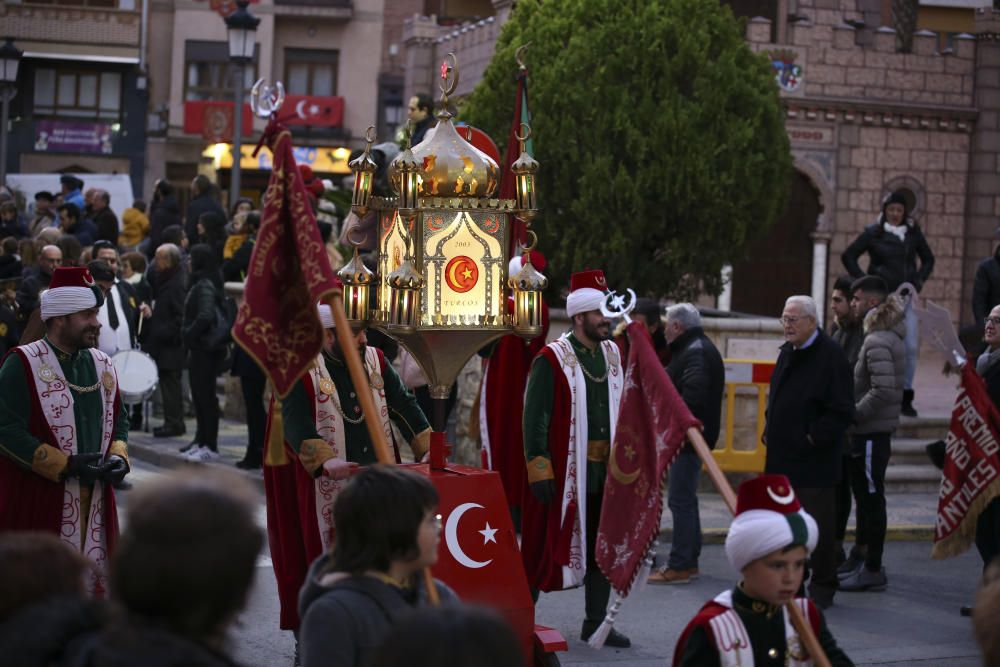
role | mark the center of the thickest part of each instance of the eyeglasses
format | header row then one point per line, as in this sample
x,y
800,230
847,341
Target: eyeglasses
x,y
995,321
785,320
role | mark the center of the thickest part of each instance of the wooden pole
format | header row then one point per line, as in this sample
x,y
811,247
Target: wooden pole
x,y
362,388
802,626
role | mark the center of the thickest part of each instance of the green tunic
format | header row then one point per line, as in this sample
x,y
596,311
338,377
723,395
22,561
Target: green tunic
x,y
538,408
16,441
765,625
297,412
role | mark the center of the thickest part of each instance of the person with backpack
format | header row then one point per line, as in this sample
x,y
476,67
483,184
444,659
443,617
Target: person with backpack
x,y
205,335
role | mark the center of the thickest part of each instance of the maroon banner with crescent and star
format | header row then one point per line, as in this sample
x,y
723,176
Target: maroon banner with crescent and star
x,y
289,274
652,423
971,473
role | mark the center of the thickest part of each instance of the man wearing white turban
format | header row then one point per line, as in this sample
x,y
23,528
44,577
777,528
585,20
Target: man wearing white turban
x,y
768,543
315,437
570,410
63,427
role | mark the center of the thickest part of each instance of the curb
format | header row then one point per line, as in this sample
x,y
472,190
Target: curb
x,y
171,459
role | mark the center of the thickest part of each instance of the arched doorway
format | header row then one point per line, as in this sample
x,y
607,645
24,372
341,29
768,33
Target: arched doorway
x,y
780,264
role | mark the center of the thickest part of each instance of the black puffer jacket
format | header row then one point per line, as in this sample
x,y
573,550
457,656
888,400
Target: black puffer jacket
x,y
697,371
163,213
162,334
890,259
809,408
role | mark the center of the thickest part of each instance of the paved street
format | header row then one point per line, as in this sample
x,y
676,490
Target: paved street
x,y
916,622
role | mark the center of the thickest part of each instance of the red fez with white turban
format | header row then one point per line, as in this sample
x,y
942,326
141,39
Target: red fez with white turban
x,y
587,292
769,517
71,290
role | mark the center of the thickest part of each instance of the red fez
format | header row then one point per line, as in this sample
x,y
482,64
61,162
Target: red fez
x,y
71,276
591,278
767,492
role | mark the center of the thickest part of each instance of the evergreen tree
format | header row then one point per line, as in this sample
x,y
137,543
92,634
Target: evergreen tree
x,y
659,132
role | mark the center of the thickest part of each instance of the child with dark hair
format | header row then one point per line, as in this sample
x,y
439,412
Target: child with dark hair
x,y
388,530
451,635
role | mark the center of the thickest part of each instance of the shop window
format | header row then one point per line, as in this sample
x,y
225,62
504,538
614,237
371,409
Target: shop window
x,y
78,93
209,74
311,72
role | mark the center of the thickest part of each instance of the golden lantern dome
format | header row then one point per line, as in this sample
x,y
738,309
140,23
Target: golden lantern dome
x,y
450,166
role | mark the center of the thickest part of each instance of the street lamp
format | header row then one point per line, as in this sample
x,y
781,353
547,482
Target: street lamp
x,y
10,58
241,27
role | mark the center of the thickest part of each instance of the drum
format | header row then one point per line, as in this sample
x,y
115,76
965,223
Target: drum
x,y
137,376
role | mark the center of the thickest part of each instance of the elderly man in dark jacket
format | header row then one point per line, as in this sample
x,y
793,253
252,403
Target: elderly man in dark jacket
x,y
697,371
893,244
878,389
810,406
104,218
162,335
986,288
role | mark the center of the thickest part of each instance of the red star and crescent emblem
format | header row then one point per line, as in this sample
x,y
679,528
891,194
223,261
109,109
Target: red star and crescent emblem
x,y
461,274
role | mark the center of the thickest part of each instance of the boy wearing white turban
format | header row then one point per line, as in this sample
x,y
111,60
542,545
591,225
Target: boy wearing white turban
x,y
768,543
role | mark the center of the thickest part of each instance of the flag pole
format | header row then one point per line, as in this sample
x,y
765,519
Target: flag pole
x,y
802,626
360,381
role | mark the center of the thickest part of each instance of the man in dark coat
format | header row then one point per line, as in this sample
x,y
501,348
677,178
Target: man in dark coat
x,y
810,406
696,369
893,243
164,212
162,336
104,218
73,223
986,288
202,201
37,279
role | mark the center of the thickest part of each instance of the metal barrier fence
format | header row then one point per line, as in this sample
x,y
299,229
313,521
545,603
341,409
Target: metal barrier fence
x,y
743,373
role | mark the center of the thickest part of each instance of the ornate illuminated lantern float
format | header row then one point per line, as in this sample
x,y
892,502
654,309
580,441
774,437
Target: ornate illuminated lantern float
x,y
441,291
443,253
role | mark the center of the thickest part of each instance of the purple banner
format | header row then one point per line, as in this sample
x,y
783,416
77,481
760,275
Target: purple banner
x,y
73,137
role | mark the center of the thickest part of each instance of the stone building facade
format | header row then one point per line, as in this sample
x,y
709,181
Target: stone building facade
x,y
864,120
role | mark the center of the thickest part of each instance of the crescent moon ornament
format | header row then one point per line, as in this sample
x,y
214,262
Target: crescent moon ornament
x,y
300,109
615,305
787,499
616,472
266,99
451,537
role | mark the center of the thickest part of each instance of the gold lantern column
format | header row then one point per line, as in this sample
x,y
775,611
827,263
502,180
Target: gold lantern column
x,y
406,282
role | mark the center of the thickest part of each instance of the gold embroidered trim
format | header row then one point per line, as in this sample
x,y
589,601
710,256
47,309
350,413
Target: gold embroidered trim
x,y
540,469
313,453
420,444
49,462
120,448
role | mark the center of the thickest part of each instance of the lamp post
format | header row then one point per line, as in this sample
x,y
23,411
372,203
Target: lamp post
x,y
10,58
241,26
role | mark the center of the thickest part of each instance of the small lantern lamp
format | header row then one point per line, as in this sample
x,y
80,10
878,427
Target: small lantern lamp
x,y
525,168
357,281
364,168
404,298
528,286
406,172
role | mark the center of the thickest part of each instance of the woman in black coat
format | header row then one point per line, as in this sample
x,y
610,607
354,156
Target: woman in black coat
x,y
894,243
204,300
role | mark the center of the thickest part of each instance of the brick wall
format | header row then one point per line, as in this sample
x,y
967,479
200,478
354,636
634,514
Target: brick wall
x,y
71,25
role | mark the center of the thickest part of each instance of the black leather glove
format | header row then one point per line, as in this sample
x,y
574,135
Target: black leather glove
x,y
544,491
88,468
117,470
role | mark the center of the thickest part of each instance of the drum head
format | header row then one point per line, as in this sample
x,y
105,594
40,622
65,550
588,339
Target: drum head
x,y
137,376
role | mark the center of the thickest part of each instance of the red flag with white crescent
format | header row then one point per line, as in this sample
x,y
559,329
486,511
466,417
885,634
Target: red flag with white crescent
x,y
289,274
971,473
652,423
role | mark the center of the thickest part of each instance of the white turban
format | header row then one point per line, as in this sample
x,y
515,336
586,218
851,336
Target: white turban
x,y
66,301
756,533
515,266
325,316
583,300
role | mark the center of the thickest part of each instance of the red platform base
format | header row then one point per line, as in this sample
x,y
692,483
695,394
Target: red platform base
x,y
479,556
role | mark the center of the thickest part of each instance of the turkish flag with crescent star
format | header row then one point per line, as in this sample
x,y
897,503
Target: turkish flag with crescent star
x,y
289,274
652,423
